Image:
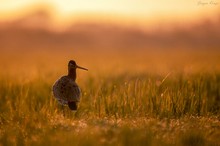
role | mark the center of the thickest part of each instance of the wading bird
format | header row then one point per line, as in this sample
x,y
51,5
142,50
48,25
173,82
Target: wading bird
x,y
65,89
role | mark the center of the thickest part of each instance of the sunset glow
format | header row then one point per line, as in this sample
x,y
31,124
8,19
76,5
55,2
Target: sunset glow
x,y
123,11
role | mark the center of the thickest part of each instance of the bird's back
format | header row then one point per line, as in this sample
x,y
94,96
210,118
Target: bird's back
x,y
66,90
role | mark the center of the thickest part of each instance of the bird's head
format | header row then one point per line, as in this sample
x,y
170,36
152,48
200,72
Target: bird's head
x,y
72,65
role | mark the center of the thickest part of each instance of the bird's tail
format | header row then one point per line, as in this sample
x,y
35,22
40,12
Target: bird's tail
x,y
72,105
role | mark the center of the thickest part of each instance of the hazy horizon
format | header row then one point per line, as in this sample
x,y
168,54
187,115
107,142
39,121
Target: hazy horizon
x,y
35,26
125,12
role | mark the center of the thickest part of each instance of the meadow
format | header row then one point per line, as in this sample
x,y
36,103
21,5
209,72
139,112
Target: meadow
x,y
127,99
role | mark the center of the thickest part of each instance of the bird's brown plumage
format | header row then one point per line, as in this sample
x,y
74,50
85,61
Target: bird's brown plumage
x,y
65,89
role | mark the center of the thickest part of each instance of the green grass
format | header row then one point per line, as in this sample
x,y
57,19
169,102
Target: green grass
x,y
122,109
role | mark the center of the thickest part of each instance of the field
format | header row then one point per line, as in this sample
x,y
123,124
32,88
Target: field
x,y
139,98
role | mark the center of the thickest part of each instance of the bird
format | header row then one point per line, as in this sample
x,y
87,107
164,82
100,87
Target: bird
x,y
65,89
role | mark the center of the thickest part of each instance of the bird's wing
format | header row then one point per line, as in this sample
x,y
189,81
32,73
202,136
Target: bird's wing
x,y
66,90
73,92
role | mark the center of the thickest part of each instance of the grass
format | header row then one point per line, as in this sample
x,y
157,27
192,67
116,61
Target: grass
x,y
122,108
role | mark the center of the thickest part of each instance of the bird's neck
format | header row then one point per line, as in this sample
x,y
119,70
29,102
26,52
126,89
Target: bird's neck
x,y
72,73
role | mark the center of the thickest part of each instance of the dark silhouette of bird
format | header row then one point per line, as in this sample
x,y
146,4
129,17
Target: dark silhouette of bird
x,y
65,89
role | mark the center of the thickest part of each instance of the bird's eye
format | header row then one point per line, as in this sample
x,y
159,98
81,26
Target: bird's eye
x,y
71,64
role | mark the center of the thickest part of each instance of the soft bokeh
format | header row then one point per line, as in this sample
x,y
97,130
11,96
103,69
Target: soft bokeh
x,y
153,78
154,35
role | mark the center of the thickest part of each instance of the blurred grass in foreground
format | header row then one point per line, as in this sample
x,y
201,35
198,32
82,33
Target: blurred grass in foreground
x,y
118,108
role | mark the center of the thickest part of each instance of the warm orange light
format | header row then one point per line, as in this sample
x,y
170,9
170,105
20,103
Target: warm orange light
x,y
116,11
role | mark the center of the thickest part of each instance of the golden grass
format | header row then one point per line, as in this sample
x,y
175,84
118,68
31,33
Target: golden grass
x,y
127,99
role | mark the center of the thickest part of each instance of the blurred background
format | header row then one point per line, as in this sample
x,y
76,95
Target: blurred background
x,y
100,32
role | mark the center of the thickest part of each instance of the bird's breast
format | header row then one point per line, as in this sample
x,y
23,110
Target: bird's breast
x,y
66,89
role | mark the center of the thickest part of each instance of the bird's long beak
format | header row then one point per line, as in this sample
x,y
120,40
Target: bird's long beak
x,y
81,67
